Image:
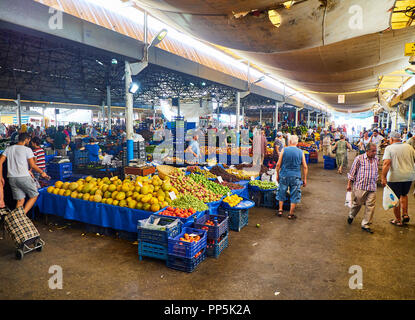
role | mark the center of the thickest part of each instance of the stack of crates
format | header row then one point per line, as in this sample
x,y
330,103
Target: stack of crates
x,y
186,256
238,218
178,133
80,157
139,152
153,234
217,234
313,157
59,171
329,163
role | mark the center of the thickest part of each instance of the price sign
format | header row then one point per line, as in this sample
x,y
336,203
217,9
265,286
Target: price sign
x,y
220,179
232,167
156,221
206,168
139,183
274,177
172,195
252,178
229,194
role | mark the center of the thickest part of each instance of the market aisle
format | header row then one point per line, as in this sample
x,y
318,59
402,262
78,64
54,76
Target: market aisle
x,y
304,259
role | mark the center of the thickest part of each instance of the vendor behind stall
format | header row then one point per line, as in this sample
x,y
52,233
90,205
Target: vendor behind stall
x,y
93,150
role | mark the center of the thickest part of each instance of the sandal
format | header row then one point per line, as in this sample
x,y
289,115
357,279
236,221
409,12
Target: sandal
x,y
279,213
396,223
292,216
405,219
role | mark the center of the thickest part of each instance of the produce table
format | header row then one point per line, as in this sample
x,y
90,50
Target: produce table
x,y
99,214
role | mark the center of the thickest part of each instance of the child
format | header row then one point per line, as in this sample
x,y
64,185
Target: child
x,y
39,154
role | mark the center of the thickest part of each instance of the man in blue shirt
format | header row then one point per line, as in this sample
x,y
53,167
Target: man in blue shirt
x,y
193,149
288,173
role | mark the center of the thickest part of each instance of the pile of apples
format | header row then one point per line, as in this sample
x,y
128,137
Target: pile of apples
x,y
185,185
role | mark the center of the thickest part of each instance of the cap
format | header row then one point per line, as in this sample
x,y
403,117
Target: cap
x,y
395,135
279,133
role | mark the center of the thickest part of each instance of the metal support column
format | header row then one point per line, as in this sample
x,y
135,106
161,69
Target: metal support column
x,y
129,112
109,108
296,117
43,117
276,115
308,118
56,119
260,117
19,111
102,124
238,108
388,120
410,107
317,119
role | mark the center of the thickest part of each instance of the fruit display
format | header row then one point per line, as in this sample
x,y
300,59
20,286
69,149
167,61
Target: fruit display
x,y
188,238
265,185
230,185
189,201
210,185
243,174
205,173
233,200
144,193
219,171
186,185
177,212
208,223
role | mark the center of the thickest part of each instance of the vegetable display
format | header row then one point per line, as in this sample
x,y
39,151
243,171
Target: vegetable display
x,y
265,185
177,212
210,185
186,185
230,185
189,201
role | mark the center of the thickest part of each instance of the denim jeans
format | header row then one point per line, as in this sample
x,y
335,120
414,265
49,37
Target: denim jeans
x,y
294,184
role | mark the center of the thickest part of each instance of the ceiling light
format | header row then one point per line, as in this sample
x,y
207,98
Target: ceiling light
x,y
203,83
158,38
274,17
133,87
288,4
114,61
262,78
410,71
99,62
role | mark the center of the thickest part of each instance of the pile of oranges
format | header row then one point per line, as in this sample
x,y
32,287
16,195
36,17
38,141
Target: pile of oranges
x,y
187,238
198,254
208,223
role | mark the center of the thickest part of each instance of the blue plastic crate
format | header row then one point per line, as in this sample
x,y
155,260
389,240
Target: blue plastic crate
x,y
237,218
187,249
313,160
172,229
59,167
152,250
215,249
185,264
268,199
186,221
213,232
307,158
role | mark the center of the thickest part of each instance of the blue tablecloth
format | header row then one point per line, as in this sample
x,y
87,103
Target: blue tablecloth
x,y
213,206
242,192
98,214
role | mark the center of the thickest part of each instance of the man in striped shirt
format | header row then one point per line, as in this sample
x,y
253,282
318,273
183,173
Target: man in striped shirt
x,y
363,175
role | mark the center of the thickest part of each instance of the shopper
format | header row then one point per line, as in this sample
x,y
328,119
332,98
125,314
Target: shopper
x,y
19,157
362,183
398,173
364,142
193,150
377,139
39,154
337,134
341,148
288,173
279,144
60,140
326,139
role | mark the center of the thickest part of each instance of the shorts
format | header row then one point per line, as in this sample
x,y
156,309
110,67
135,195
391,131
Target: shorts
x,y
400,188
22,186
294,184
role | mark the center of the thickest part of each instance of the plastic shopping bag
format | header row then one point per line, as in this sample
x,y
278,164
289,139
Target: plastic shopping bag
x,y
348,202
390,200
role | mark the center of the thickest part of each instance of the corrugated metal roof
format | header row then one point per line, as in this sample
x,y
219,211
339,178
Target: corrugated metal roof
x,y
116,22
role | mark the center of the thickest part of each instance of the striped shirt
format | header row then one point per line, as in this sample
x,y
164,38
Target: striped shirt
x,y
40,158
364,173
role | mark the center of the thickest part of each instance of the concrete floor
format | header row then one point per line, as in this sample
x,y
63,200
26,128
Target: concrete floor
x,y
304,259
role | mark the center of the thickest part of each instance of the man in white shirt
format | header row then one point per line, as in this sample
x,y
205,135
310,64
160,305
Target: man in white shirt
x,y
398,173
19,157
377,139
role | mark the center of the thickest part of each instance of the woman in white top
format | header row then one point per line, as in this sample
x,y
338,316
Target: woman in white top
x,y
363,142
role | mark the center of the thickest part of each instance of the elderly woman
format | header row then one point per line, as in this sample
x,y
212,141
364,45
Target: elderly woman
x,y
341,147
